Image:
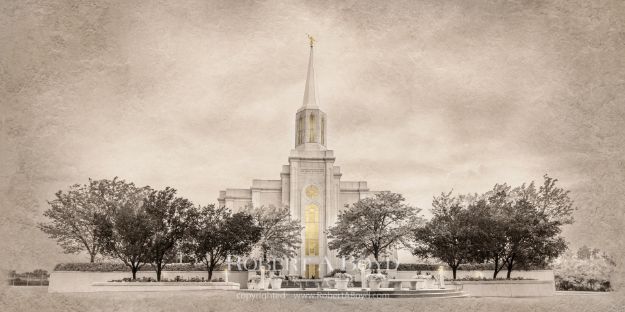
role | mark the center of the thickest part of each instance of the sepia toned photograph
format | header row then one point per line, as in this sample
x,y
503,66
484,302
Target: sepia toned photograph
x,y
407,155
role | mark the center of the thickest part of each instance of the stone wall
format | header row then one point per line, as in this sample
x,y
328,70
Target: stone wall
x,y
506,288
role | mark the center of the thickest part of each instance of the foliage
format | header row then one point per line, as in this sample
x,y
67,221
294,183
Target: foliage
x,y
124,231
462,267
382,265
510,227
372,226
215,234
581,284
74,214
280,235
376,277
486,279
177,279
522,225
343,275
121,267
418,267
334,272
168,218
449,235
584,274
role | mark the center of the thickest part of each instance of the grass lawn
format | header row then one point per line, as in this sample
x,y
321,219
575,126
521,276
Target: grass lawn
x,y
37,299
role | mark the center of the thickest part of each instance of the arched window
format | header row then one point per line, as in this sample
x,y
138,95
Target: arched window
x,y
311,129
311,225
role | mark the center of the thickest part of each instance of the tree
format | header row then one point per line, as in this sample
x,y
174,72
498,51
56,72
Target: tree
x,y
215,233
168,218
515,227
280,236
449,235
373,225
74,214
531,236
124,231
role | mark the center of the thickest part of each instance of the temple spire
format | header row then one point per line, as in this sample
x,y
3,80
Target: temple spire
x,y
310,93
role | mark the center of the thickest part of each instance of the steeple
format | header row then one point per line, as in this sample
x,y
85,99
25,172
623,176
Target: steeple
x,y
310,121
310,96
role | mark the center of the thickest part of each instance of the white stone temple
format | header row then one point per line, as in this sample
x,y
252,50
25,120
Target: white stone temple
x,y
310,185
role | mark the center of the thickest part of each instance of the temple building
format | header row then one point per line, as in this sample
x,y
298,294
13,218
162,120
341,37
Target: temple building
x,y
310,185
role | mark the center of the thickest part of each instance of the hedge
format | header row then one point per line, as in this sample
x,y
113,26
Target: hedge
x,y
120,267
579,283
462,267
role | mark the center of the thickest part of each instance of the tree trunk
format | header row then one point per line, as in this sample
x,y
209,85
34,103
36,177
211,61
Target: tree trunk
x,y
453,270
496,268
209,270
92,255
134,272
376,254
510,265
159,269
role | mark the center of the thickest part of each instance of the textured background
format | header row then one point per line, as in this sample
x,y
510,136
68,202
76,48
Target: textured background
x,y
421,97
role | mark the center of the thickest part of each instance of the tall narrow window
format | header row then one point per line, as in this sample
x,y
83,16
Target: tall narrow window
x,y
323,131
300,130
311,129
311,232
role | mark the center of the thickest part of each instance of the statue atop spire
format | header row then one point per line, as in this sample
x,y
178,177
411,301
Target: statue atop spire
x,y
312,40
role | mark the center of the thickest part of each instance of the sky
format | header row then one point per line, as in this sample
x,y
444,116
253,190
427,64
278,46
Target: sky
x,y
422,97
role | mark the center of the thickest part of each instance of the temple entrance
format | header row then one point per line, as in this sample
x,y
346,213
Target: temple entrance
x,y
312,271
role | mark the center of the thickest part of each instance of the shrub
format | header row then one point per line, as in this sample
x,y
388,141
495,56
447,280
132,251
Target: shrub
x,y
343,276
382,265
376,277
581,284
583,274
334,272
462,267
417,267
120,267
485,279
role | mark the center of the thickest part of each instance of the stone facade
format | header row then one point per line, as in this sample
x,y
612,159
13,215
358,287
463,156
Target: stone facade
x,y
310,185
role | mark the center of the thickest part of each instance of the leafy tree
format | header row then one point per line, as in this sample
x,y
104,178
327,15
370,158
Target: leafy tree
x,y
168,218
514,230
125,230
74,213
215,233
280,235
449,235
73,221
532,238
373,225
